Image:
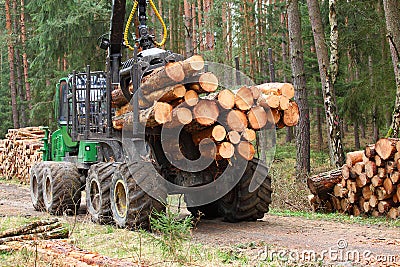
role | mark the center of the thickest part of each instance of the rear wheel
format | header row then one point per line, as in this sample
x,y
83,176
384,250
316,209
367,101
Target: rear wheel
x,y
98,191
35,185
132,206
61,188
242,205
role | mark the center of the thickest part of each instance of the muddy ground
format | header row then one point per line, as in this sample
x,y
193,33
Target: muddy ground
x,y
286,234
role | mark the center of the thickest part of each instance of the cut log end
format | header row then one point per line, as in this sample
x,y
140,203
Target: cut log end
x,y
385,148
226,98
257,118
246,150
206,112
191,98
234,137
244,98
226,150
249,135
162,112
237,120
291,115
208,82
175,71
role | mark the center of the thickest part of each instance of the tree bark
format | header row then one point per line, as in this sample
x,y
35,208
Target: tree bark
x,y
392,15
25,56
299,82
356,135
320,139
189,30
18,67
332,118
11,52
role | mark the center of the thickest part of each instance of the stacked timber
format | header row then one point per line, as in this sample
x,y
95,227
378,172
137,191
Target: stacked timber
x,y
368,184
19,151
183,95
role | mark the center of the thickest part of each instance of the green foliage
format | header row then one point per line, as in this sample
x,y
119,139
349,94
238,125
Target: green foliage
x,y
172,232
231,256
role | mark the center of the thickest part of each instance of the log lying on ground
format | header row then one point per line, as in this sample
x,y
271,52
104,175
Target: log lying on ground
x,y
370,183
322,184
61,253
46,229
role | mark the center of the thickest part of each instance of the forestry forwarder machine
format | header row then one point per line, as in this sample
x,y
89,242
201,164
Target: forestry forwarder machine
x,y
86,153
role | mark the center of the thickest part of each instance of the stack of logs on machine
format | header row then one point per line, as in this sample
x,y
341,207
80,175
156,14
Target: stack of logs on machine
x,y
368,184
19,151
182,94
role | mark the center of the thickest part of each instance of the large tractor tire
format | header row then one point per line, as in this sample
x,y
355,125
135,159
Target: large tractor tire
x,y
35,185
131,206
242,205
61,188
98,186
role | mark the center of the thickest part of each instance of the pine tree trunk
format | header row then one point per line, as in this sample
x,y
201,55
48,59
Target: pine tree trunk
x,y
392,15
25,56
13,89
334,38
299,82
320,139
209,35
188,30
375,130
332,118
200,23
19,83
362,128
375,123
356,135
194,32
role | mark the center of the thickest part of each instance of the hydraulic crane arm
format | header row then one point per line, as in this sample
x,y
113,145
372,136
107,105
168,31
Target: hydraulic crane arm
x,y
119,37
116,37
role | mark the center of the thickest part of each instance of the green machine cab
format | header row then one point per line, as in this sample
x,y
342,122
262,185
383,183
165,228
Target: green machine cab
x,y
61,144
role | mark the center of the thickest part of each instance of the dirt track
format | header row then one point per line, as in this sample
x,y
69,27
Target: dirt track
x,y
276,232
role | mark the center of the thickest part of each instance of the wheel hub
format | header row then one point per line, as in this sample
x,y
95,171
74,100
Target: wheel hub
x,y
120,198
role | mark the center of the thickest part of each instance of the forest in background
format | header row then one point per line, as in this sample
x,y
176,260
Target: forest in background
x,y
49,39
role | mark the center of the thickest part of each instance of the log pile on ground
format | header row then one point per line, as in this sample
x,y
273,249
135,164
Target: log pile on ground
x,y
61,253
368,184
19,151
46,234
38,230
182,94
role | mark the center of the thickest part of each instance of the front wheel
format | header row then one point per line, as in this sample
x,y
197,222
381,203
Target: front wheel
x,y
97,190
132,206
61,188
35,185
